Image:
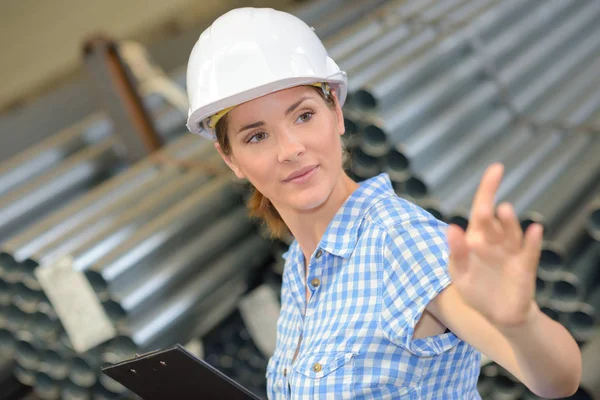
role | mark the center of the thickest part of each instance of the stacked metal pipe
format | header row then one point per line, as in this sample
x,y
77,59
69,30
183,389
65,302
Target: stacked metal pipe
x,y
168,249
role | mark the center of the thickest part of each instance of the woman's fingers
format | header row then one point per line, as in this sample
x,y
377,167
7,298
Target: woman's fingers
x,y
513,234
483,220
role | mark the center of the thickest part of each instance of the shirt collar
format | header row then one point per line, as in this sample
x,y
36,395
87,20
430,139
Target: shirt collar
x,y
341,235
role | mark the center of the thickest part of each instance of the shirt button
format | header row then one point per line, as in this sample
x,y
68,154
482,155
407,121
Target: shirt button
x,y
285,372
315,282
317,367
319,253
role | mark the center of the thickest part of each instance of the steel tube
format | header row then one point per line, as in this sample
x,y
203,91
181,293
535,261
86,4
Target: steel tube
x,y
566,240
527,27
344,16
51,152
133,296
549,47
397,83
432,176
583,109
545,172
583,320
425,145
345,42
54,364
363,165
16,319
569,91
69,218
24,375
128,224
6,292
27,355
438,11
369,74
467,12
71,391
202,207
76,175
104,219
103,231
559,197
513,149
46,387
7,343
377,47
374,143
542,86
593,223
146,330
84,371
507,386
589,388
394,84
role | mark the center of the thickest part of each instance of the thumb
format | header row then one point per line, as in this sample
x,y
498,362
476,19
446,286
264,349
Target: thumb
x,y
459,250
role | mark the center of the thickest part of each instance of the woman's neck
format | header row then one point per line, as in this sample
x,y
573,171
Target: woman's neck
x,y
308,227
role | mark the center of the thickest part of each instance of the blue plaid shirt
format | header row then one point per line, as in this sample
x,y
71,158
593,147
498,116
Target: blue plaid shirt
x,y
380,262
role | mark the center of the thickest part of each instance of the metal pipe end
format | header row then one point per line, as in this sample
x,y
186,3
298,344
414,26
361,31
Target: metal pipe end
x,y
10,268
374,142
364,99
530,218
82,373
396,166
115,311
551,263
97,281
119,349
46,387
416,187
26,354
594,224
6,290
460,218
7,343
567,289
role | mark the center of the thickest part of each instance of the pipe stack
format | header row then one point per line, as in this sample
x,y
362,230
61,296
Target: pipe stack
x,y
168,251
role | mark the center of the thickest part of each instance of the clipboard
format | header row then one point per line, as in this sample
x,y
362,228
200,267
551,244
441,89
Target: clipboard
x,y
175,373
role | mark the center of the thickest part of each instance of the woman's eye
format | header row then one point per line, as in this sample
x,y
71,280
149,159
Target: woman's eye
x,y
257,137
307,116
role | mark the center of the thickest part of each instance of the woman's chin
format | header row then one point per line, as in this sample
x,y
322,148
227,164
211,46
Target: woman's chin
x,y
307,201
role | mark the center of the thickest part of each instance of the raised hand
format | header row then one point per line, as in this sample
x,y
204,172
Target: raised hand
x,y
493,264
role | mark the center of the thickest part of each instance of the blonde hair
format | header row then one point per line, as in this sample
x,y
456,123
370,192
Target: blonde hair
x,y
258,205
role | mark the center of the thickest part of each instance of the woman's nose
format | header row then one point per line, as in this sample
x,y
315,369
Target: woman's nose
x,y
290,147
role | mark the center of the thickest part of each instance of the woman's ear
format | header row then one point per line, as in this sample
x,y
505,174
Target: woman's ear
x,y
230,161
341,127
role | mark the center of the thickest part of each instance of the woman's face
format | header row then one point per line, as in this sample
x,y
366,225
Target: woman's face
x,y
288,145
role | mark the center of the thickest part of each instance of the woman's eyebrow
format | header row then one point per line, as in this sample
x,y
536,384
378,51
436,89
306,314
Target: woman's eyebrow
x,y
295,105
250,126
288,111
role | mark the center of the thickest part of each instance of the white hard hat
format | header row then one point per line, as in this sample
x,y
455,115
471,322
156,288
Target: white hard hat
x,y
248,53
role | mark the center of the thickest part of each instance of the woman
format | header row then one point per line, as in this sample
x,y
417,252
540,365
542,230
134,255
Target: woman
x,y
379,299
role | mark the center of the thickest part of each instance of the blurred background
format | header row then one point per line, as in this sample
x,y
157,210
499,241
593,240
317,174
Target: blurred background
x,y
121,233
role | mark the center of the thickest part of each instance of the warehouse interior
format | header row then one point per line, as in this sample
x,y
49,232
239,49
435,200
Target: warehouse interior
x,y
122,233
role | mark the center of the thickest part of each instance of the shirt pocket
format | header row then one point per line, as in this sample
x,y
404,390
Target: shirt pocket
x,y
274,378
325,375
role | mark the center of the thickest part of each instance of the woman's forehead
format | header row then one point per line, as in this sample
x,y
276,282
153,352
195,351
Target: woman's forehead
x,y
275,102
